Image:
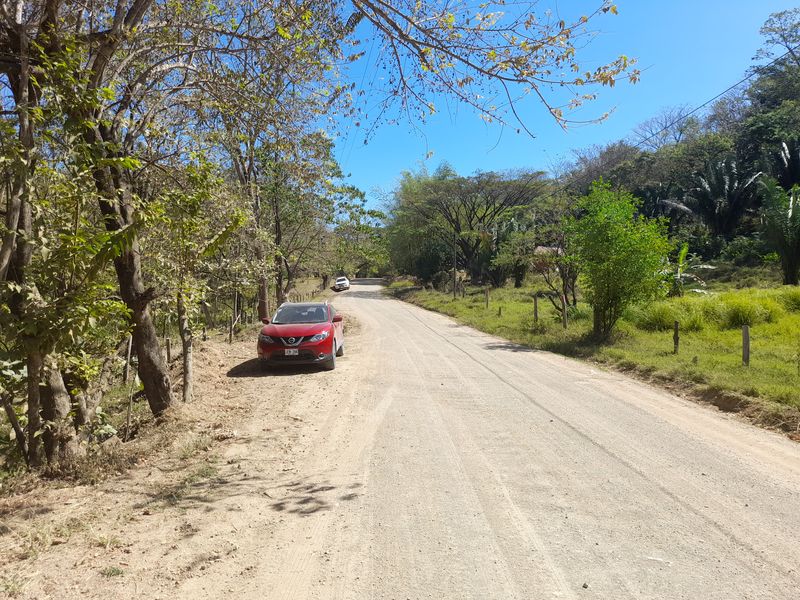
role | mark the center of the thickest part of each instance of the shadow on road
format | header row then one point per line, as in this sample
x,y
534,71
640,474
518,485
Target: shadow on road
x,y
305,498
507,347
255,368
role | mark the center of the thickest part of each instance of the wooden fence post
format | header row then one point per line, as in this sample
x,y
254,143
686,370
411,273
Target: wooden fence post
x,y
676,336
127,369
169,351
536,309
746,345
564,311
486,296
230,330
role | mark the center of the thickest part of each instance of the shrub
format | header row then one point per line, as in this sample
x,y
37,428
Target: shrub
x,y
661,316
748,309
789,297
581,312
744,251
658,316
620,254
401,283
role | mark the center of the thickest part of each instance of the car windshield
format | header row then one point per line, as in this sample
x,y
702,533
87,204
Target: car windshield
x,y
342,279
300,313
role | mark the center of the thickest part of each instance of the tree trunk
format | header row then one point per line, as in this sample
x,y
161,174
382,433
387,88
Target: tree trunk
x,y
519,276
25,97
153,370
597,327
207,315
263,298
34,364
791,271
117,209
89,394
185,331
280,291
60,442
19,433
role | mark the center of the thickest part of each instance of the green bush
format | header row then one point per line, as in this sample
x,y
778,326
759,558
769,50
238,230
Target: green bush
x,y
658,316
744,251
661,316
748,309
789,297
581,312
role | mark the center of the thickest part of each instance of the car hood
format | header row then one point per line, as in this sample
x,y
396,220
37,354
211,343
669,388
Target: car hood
x,y
294,329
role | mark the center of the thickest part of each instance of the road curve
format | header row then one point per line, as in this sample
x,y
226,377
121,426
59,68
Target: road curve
x,y
465,466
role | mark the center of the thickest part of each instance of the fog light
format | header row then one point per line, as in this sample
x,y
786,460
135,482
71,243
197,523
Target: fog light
x,y
321,355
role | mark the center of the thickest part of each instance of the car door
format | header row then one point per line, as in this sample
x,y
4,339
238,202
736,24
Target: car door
x,y
338,328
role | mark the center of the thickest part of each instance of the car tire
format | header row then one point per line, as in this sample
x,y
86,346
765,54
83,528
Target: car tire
x,y
330,364
340,350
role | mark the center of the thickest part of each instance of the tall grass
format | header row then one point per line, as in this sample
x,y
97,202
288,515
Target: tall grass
x,y
710,343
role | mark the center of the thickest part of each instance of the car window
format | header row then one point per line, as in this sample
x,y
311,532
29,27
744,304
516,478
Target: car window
x,y
300,313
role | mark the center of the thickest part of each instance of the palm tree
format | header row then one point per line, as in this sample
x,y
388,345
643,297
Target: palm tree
x,y
781,222
721,196
788,164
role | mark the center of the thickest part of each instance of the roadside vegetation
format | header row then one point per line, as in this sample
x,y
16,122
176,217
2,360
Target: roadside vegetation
x,y
694,219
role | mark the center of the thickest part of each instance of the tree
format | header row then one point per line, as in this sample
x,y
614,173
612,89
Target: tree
x,y
545,247
721,196
671,126
358,244
781,226
474,210
488,56
193,232
621,255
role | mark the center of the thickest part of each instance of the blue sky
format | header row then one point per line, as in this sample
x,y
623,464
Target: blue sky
x,y
688,52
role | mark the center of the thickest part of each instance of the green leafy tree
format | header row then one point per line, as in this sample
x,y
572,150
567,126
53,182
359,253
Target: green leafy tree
x,y
194,232
621,255
781,226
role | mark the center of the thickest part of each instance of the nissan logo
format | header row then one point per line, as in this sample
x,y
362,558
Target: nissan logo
x,y
291,340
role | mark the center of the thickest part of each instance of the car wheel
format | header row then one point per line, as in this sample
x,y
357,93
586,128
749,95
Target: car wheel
x,y
340,350
330,364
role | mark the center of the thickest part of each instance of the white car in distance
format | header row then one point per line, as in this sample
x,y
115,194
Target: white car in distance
x,y
341,283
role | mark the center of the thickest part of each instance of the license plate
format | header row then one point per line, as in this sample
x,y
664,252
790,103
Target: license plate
x,y
292,352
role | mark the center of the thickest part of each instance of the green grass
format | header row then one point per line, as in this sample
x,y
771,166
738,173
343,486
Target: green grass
x,y
710,346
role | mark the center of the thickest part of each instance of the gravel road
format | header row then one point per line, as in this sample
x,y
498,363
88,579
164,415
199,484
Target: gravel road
x,y
434,462
457,465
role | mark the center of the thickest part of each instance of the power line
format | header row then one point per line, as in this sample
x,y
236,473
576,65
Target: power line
x,y
685,116
718,96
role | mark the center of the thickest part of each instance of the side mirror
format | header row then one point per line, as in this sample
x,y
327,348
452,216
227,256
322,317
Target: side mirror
x,y
337,318
265,321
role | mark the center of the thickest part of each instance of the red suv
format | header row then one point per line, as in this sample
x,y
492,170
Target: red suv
x,y
302,334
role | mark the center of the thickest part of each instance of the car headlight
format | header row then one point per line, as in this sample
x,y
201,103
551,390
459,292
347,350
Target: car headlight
x,y
319,337
265,338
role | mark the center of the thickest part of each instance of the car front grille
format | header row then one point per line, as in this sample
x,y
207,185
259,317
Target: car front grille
x,y
296,341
